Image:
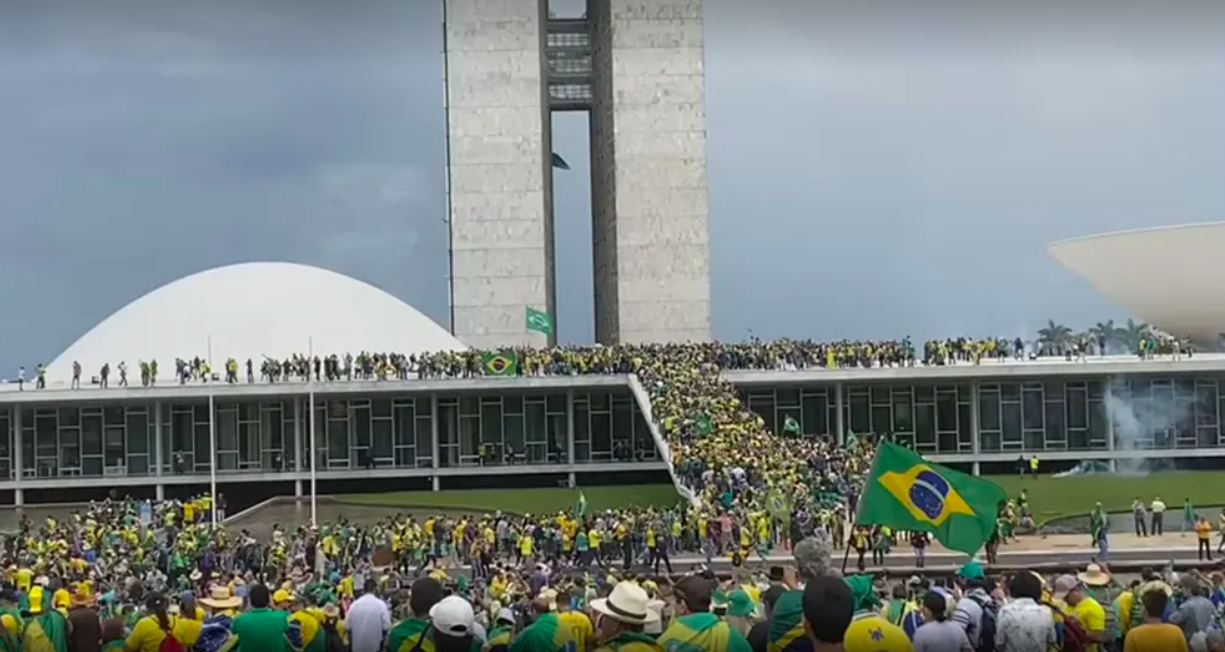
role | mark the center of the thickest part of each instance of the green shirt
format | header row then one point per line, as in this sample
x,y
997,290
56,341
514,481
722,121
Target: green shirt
x,y
701,632
262,630
404,636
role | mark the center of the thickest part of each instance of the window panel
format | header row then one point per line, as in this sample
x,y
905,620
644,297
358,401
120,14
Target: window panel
x,y
860,417
813,414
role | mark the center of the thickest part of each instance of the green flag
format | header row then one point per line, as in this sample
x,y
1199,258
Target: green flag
x,y
906,492
704,425
777,505
791,427
500,363
539,321
580,507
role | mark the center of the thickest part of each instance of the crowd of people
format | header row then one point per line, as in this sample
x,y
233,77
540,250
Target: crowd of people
x,y
754,354
140,576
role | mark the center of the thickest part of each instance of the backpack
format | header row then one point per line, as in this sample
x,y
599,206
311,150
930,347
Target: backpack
x,y
986,625
170,643
333,641
1075,638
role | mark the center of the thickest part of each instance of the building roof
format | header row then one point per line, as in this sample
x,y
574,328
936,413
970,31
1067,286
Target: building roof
x,y
1171,277
252,310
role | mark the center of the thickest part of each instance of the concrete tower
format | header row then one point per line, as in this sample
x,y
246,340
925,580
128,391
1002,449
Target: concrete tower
x,y
637,67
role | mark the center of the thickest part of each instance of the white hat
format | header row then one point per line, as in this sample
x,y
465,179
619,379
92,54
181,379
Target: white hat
x,y
655,618
453,616
505,615
627,603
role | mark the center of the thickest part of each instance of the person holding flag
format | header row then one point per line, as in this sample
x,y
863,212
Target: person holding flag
x,y
905,492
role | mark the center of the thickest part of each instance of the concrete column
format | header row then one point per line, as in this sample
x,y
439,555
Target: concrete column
x,y
839,419
570,430
1110,444
18,467
434,440
975,435
158,454
570,479
297,447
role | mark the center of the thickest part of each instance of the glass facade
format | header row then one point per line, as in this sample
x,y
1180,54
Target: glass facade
x,y
1022,417
608,427
351,433
1076,414
6,443
814,408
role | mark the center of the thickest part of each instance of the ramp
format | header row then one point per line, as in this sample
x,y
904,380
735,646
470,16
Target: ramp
x,y
644,403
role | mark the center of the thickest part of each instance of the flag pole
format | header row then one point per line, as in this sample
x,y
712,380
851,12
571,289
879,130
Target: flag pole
x,y
311,437
212,452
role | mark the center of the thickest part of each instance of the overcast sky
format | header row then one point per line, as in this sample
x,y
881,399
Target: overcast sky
x,y
893,169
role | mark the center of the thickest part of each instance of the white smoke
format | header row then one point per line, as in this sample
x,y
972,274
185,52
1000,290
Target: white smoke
x,y
1134,422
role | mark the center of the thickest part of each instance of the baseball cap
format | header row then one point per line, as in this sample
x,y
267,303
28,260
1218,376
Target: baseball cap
x,y
1065,584
505,615
971,571
453,616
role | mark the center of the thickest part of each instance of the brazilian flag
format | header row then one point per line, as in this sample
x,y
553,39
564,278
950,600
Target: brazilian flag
x,y
500,363
906,492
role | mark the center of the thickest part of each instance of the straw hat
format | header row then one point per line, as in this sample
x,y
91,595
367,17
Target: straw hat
x,y
82,597
1094,576
627,603
195,575
331,611
220,598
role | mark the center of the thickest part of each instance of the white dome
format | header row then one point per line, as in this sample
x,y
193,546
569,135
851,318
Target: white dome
x,y
1171,277
252,310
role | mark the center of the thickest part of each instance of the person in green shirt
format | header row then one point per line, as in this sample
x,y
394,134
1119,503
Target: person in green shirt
x,y
620,619
695,628
431,634
1189,518
263,629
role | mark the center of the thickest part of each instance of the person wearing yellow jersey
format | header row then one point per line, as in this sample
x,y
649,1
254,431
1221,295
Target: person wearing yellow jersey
x,y
11,623
24,579
151,630
525,547
847,611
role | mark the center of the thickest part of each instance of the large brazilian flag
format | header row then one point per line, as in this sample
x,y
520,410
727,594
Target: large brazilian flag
x,y
906,492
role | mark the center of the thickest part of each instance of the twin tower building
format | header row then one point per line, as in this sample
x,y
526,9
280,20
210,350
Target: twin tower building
x,y
636,66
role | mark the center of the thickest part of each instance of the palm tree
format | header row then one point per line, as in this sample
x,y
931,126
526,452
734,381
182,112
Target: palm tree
x,y
1132,333
1054,336
1105,332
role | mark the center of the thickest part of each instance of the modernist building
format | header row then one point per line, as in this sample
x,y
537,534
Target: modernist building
x,y
484,430
636,66
982,417
1161,274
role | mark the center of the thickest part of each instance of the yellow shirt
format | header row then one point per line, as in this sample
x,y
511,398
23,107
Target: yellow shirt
x,y
1092,616
25,579
147,635
1155,638
871,633
1204,530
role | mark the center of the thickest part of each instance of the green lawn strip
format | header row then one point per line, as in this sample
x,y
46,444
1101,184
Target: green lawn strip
x,y
1051,498
520,501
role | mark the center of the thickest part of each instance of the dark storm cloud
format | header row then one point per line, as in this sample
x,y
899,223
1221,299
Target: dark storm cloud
x,y
876,168
145,141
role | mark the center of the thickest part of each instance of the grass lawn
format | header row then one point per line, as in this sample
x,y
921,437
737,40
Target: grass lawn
x,y
522,501
1050,497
